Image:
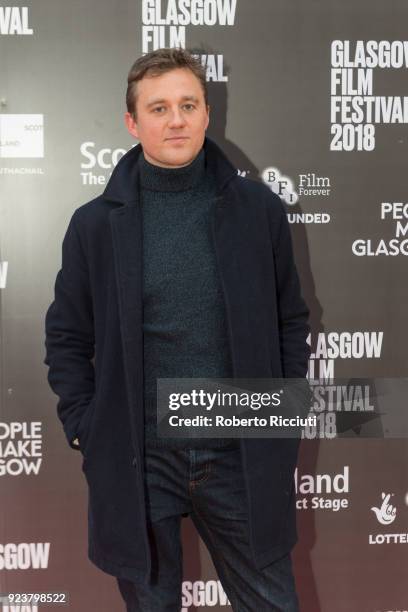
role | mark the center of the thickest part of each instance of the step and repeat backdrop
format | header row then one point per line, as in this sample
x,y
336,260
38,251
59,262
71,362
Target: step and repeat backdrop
x,y
309,97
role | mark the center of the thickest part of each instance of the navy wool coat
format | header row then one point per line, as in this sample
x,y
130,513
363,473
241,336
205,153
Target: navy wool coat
x,y
95,354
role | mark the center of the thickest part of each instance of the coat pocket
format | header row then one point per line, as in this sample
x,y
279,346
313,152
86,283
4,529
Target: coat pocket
x,y
85,427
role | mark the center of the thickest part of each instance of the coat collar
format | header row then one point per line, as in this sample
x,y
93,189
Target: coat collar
x,y
123,186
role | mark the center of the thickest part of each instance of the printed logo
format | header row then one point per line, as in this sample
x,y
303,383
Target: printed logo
x,y
322,491
202,594
21,136
3,274
310,184
19,608
20,448
395,242
326,349
14,20
280,184
97,164
164,25
386,513
399,610
25,555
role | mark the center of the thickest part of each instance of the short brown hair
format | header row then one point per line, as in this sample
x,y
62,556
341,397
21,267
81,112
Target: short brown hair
x,y
159,62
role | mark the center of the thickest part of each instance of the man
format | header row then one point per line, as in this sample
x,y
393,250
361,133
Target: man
x,y
181,268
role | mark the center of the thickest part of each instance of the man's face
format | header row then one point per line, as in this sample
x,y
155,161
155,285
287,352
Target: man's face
x,y
171,118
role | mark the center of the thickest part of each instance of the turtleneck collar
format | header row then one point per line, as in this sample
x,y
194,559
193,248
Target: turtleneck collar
x,y
156,178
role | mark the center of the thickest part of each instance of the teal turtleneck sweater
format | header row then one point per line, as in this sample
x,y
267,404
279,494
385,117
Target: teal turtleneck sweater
x,y
184,325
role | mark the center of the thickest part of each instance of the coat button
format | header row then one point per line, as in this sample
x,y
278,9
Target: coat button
x,y
134,462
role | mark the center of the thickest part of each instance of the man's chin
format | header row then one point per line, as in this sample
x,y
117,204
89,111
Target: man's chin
x,y
177,161
172,157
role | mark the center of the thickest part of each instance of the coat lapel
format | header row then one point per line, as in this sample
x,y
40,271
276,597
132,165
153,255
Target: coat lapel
x,y
126,226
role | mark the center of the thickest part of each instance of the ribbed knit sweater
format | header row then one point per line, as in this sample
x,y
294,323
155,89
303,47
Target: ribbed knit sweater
x,y
184,323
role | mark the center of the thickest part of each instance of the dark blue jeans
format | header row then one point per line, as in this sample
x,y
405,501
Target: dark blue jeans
x,y
209,486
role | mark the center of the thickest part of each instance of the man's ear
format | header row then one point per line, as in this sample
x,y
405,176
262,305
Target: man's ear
x,y
208,116
131,125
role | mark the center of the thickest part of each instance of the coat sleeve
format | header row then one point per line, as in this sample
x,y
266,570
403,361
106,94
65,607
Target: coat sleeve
x,y
70,338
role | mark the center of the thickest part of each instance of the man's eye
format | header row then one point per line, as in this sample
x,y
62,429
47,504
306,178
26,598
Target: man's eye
x,y
189,106
157,109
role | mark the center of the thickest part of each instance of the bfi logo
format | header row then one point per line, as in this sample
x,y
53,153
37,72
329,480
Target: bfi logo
x,y
21,135
280,184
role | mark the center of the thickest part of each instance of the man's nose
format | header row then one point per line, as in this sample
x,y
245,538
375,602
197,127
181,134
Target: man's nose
x,y
176,118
